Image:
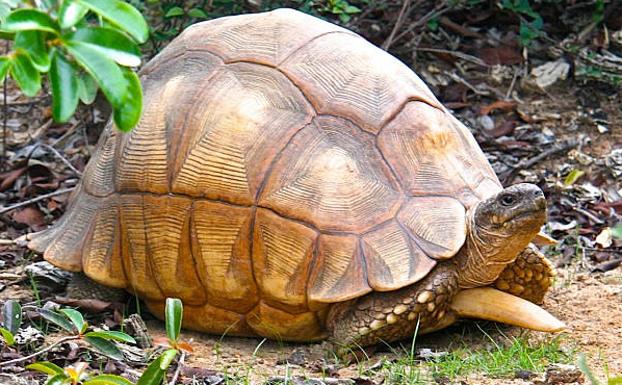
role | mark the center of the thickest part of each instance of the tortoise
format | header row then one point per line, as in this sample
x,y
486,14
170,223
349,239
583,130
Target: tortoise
x,y
290,180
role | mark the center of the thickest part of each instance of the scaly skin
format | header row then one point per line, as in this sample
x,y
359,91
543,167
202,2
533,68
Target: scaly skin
x,y
528,277
82,287
391,316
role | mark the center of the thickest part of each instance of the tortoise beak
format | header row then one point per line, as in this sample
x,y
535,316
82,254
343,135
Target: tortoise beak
x,y
495,305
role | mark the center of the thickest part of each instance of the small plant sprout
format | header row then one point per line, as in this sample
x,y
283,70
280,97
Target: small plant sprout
x,y
73,322
75,375
154,374
12,315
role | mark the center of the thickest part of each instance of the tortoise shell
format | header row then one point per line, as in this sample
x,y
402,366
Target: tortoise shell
x,y
281,164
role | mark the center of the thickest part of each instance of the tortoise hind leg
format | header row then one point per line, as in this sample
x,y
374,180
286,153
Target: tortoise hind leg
x,y
528,277
82,287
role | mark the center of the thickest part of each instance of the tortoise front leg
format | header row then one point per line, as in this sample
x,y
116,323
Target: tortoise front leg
x,y
528,277
391,316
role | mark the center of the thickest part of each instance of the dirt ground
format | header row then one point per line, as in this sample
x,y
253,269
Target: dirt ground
x,y
590,306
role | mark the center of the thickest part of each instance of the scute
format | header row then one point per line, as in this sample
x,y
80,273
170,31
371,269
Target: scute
x,y
245,117
282,254
339,271
344,75
266,38
433,155
333,177
393,259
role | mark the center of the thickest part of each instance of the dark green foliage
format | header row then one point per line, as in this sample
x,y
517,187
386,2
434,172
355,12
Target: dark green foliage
x,y
80,45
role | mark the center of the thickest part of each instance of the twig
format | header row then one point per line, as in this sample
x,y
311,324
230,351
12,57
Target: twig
x,y
509,91
61,341
58,155
459,79
180,364
458,54
37,199
7,242
440,9
398,25
567,145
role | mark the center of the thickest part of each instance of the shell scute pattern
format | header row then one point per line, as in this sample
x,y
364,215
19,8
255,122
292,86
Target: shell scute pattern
x,y
266,177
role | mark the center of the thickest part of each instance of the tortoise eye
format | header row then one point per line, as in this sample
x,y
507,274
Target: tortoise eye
x,y
508,200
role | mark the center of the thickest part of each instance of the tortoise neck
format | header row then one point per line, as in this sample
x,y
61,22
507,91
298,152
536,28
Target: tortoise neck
x,y
486,253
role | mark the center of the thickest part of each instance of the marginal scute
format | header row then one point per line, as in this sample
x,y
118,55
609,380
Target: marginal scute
x,y
266,38
344,75
66,239
219,319
277,324
432,154
437,224
101,256
339,271
136,263
221,248
167,227
282,254
332,175
244,118
393,260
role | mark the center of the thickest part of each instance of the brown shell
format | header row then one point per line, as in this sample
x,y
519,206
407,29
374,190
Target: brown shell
x,y
281,164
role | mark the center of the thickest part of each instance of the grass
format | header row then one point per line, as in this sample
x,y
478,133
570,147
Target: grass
x,y
502,361
496,362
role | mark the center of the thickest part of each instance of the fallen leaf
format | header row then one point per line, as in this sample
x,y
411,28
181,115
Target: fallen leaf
x,y
503,105
501,55
7,179
31,216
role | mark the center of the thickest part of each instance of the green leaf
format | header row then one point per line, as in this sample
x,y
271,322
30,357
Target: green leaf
x,y
5,65
70,13
12,313
105,347
107,379
58,379
616,231
614,381
153,374
30,19
111,43
25,74
167,357
197,13
7,336
46,367
573,176
33,42
87,88
56,319
64,84
174,11
127,115
352,9
112,335
173,315
106,72
76,318
122,15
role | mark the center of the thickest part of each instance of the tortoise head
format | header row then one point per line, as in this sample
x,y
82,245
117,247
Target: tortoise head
x,y
499,228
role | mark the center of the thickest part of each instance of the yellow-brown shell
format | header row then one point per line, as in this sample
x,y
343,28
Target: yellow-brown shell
x,y
281,164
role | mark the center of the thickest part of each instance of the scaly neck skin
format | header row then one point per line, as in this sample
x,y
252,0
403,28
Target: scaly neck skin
x,y
486,252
